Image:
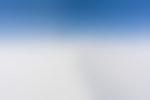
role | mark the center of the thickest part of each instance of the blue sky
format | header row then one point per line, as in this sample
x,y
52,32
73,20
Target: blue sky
x,y
75,14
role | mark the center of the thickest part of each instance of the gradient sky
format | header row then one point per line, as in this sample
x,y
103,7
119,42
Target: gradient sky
x,y
100,15
37,67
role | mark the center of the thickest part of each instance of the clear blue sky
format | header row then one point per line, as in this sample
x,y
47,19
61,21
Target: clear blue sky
x,y
75,14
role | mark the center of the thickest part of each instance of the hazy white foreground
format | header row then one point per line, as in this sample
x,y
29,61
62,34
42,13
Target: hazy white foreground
x,y
63,71
39,71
